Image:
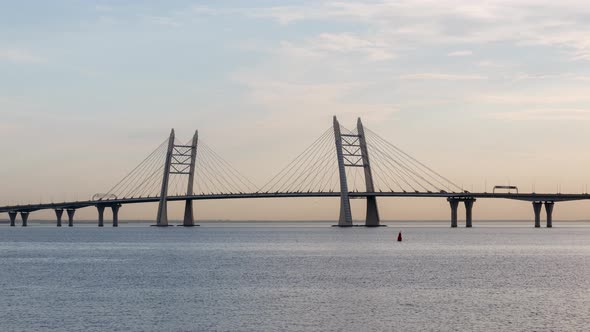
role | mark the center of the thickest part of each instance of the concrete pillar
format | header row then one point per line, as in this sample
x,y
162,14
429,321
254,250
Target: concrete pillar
x,y
549,210
115,209
162,218
100,209
537,209
468,212
12,215
345,219
372,218
454,205
189,219
70,213
25,216
58,214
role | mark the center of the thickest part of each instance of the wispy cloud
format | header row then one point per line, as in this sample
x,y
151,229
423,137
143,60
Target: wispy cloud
x,y
440,76
460,53
326,44
19,56
408,23
543,114
540,97
491,64
161,20
103,8
207,11
544,76
522,22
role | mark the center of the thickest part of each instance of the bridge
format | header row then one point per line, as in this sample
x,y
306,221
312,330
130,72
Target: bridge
x,y
341,163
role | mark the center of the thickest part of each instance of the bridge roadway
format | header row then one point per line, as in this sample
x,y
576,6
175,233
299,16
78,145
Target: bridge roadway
x,y
532,197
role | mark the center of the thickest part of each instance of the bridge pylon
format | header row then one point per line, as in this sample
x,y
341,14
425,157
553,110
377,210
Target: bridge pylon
x,y
180,160
352,151
345,219
162,218
372,217
189,219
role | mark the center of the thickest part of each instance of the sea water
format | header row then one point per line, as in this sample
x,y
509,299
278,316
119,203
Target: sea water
x,y
295,276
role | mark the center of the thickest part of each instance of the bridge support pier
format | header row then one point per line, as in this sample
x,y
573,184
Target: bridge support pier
x,y
100,209
58,214
70,213
25,216
115,209
469,212
372,218
549,210
189,219
537,209
12,215
454,206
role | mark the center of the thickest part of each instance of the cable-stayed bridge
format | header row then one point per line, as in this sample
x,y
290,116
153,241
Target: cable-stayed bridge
x,y
344,163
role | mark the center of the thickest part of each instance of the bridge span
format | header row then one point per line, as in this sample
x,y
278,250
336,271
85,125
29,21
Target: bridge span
x,y
314,173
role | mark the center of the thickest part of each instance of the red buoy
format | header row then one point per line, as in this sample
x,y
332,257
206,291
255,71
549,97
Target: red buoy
x,y
399,237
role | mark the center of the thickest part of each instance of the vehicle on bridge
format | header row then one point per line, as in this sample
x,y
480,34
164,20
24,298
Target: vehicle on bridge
x,y
509,188
101,197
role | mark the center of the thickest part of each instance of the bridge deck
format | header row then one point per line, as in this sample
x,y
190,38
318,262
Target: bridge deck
x,y
466,195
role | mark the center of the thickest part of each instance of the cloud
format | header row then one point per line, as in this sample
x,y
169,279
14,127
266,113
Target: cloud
x,y
407,24
19,56
162,20
545,97
543,114
290,14
460,53
524,22
543,76
444,77
208,11
103,8
326,44
490,64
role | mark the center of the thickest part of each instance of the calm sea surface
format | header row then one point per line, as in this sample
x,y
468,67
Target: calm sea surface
x,y
295,276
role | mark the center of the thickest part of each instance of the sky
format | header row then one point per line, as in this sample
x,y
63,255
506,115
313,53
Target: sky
x,y
488,93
